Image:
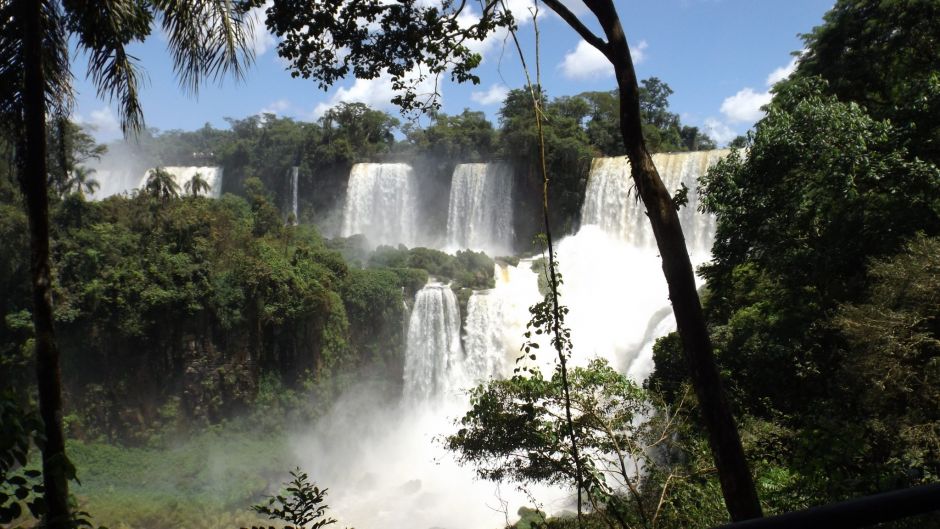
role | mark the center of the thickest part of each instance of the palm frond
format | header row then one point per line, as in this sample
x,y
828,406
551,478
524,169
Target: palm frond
x,y
55,59
104,28
207,39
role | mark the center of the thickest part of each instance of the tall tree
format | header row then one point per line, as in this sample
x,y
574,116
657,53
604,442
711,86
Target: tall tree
x,y
404,39
196,185
205,39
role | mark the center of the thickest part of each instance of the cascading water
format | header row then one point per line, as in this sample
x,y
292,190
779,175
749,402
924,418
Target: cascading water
x,y
434,357
382,204
610,202
479,213
114,182
294,185
381,462
182,175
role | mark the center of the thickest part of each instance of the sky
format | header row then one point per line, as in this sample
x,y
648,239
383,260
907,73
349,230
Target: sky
x,y
720,57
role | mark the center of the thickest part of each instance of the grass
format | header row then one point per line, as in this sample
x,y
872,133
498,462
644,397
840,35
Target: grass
x,y
207,481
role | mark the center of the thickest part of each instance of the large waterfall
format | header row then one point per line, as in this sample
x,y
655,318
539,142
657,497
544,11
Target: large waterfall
x,y
611,204
479,213
382,204
433,358
382,462
183,175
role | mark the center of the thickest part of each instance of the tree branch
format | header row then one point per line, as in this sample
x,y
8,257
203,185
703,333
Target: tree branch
x,y
578,26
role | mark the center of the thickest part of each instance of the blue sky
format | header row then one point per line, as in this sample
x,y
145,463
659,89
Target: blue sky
x,y
719,57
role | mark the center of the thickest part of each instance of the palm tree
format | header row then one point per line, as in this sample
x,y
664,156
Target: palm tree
x,y
81,182
161,184
206,39
197,184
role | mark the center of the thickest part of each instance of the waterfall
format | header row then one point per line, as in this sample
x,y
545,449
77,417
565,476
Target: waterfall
x,y
114,181
294,185
384,463
610,202
182,175
382,204
479,213
433,354
483,342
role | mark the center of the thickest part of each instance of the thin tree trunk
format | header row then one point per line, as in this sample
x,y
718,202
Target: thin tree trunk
x,y
33,181
736,482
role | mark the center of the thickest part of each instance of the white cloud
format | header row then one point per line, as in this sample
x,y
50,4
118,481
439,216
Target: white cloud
x,y
586,61
103,123
719,131
782,73
278,107
638,52
496,94
376,93
522,13
261,39
745,106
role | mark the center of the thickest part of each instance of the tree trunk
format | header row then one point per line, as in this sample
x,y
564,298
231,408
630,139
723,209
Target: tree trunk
x,y
737,484
33,181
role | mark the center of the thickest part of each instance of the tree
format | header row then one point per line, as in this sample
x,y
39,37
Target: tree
x,y
882,55
208,39
515,430
406,38
81,182
161,184
197,184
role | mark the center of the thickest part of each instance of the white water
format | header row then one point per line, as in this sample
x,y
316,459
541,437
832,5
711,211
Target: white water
x,y
479,213
294,189
382,204
434,357
610,201
114,182
182,175
379,458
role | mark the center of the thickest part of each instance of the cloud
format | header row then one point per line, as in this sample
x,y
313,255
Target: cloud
x,y
782,73
279,107
103,124
638,52
586,61
745,106
261,39
496,94
719,131
521,12
376,93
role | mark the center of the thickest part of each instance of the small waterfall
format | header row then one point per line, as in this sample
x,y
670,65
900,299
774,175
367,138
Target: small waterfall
x,y
382,204
610,203
433,355
479,213
294,185
182,175
483,343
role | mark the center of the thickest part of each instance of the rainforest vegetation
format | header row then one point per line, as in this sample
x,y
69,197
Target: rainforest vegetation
x,y
189,325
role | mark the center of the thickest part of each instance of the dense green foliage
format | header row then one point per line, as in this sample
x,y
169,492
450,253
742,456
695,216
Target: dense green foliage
x,y
821,292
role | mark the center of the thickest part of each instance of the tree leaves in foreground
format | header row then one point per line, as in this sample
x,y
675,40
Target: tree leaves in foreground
x,y
516,431
302,505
